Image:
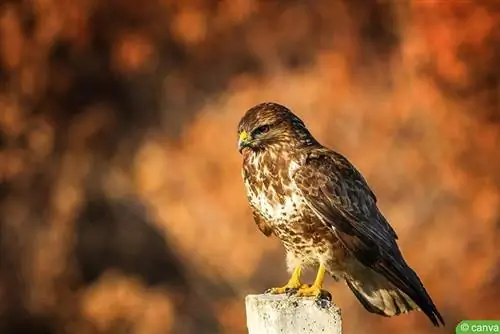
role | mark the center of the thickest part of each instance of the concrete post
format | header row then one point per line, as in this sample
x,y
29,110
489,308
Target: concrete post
x,y
273,314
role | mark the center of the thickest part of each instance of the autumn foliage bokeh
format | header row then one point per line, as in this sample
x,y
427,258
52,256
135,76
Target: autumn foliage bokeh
x,y
122,208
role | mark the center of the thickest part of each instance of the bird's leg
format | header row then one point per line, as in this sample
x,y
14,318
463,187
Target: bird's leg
x,y
316,289
292,285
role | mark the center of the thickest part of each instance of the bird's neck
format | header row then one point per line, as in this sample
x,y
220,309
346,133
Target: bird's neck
x,y
273,161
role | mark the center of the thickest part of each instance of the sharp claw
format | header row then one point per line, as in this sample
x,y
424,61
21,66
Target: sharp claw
x,y
323,303
313,291
289,289
325,295
324,299
282,290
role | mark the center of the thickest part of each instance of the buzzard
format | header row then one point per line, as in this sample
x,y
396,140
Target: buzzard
x,y
325,214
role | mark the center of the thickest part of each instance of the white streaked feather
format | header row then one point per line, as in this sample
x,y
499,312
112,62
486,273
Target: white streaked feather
x,y
277,212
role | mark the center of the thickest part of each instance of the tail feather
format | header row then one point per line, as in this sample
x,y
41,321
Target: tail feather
x,y
390,293
379,296
407,281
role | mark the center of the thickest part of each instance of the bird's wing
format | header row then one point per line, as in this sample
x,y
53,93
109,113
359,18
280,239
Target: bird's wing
x,y
341,198
261,222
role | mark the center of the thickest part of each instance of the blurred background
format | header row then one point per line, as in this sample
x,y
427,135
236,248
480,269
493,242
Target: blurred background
x,y
122,207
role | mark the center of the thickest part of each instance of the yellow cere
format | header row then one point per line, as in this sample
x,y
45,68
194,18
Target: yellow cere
x,y
243,135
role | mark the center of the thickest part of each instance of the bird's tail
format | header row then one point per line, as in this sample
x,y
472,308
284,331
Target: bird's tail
x,y
379,295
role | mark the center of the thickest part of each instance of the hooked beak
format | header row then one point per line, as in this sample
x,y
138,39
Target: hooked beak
x,y
243,141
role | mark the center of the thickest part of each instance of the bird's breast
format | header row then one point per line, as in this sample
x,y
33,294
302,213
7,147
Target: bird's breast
x,y
272,193
275,207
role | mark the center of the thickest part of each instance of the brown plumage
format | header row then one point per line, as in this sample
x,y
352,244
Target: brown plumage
x,y
322,209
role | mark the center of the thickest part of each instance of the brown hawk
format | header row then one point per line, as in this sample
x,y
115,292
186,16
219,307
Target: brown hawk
x,y
322,209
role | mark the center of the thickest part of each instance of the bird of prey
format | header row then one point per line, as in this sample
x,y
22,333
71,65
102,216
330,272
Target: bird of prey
x,y
325,214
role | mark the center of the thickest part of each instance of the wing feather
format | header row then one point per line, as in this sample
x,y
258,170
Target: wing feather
x,y
340,196
263,226
342,199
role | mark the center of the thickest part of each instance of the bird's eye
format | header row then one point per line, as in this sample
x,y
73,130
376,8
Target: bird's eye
x,y
261,129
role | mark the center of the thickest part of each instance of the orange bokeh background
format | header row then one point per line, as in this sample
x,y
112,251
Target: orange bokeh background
x,y
122,207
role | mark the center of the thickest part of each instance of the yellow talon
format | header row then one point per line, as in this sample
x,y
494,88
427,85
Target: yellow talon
x,y
316,289
309,291
292,284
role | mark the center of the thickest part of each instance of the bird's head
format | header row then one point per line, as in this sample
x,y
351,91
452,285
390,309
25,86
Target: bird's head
x,y
271,125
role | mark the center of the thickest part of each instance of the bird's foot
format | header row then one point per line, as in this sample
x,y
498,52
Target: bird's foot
x,y
323,297
307,290
291,288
